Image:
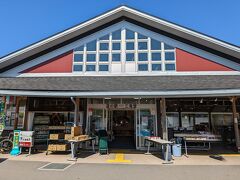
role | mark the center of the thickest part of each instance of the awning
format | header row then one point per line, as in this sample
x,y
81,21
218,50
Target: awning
x,y
92,86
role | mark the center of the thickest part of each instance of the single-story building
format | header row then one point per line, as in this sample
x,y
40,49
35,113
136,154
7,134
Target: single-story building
x,y
126,72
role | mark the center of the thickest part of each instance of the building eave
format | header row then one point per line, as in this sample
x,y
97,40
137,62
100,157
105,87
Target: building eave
x,y
168,94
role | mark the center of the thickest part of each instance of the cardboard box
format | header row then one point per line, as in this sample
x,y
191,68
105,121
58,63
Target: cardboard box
x,y
57,127
56,136
62,147
52,147
76,131
80,138
68,137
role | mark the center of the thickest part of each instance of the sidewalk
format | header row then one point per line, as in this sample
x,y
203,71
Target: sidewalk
x,y
127,158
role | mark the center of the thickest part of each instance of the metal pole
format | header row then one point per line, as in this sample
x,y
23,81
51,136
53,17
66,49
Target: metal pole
x,y
75,111
235,123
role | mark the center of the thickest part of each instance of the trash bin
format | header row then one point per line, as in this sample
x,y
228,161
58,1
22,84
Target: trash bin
x,y
169,153
103,145
177,150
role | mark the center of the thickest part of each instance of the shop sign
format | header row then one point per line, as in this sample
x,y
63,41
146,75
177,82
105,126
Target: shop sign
x,y
121,106
16,138
16,150
26,139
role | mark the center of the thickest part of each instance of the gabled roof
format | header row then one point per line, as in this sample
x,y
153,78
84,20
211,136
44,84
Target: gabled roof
x,y
156,24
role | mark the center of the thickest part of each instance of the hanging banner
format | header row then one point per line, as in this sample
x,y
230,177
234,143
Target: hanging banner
x,y
2,107
1,127
16,149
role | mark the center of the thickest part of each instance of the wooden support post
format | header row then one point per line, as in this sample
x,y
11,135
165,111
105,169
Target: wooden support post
x,y
164,119
25,122
5,104
235,123
77,112
16,112
159,129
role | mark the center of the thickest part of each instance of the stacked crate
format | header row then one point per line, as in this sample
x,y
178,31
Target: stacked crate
x,y
60,140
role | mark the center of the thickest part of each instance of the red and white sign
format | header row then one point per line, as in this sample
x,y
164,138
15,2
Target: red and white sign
x,y
26,139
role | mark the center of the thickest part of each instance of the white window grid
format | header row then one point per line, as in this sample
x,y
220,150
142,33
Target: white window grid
x,y
123,51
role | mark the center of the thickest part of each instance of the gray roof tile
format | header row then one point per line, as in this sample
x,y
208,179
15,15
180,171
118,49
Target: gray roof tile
x,y
122,83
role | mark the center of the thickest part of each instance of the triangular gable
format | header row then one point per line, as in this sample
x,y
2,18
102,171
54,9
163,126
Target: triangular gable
x,y
59,64
183,34
190,62
185,57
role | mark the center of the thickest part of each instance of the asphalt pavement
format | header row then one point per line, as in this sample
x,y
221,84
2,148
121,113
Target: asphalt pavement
x,y
24,170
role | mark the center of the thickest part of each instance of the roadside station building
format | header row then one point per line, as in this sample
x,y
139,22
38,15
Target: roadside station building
x,y
129,73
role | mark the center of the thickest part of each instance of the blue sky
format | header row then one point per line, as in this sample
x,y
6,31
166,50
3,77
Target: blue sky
x,y
27,21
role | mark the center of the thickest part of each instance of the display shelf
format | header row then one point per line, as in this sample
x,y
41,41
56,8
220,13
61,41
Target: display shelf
x,y
59,127
57,142
41,131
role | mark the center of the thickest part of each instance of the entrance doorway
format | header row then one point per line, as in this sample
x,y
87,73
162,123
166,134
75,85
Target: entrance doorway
x,y
122,122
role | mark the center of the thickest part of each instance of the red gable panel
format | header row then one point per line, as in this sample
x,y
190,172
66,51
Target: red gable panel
x,y
190,62
59,64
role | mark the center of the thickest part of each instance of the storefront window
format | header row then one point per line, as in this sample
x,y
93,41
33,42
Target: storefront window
x,y
146,120
195,121
21,114
55,118
187,121
96,120
145,126
10,116
222,124
51,104
173,120
201,119
222,119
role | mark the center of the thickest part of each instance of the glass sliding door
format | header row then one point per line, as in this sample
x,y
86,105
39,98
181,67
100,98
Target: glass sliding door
x,y
110,123
97,121
145,126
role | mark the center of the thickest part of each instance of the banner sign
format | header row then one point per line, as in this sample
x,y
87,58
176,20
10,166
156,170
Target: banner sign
x,y
2,105
16,149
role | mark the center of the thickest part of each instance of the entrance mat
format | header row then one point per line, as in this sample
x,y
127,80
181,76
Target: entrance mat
x,y
55,166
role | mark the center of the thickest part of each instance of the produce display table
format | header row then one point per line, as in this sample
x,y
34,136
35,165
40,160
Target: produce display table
x,y
198,138
75,143
158,140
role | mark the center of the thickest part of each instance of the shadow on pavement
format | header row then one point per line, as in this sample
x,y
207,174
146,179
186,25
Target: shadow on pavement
x,y
217,157
84,154
2,159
